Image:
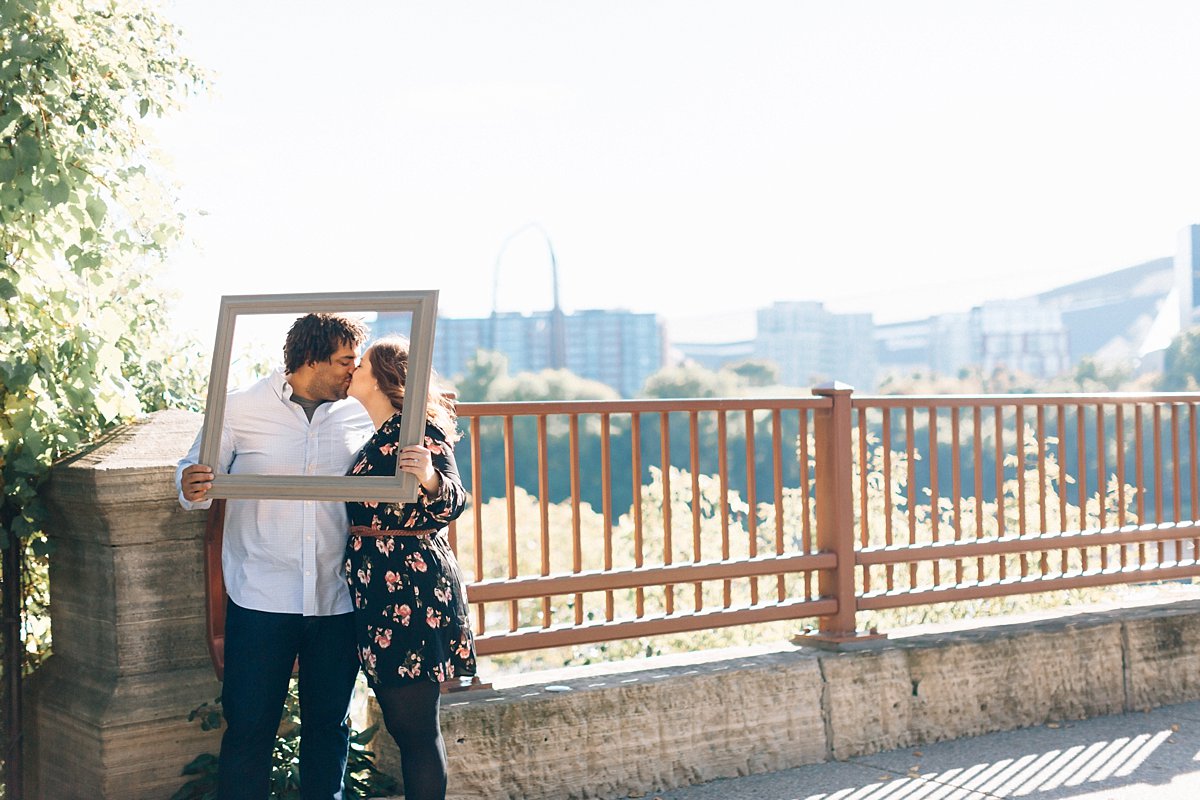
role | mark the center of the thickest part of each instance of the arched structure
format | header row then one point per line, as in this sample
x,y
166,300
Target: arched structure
x,y
558,340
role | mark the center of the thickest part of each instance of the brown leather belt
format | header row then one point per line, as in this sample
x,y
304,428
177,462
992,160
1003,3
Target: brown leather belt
x,y
363,530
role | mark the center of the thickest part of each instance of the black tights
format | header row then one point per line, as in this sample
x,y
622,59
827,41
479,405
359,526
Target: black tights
x,y
410,714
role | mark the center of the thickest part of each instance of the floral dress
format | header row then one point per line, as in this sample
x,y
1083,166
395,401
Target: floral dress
x,y
410,606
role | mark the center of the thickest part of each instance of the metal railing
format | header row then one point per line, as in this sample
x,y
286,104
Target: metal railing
x,y
597,521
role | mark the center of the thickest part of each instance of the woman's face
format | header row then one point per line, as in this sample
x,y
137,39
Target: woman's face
x,y
363,382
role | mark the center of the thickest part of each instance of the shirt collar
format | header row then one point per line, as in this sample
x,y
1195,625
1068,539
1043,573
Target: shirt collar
x,y
278,382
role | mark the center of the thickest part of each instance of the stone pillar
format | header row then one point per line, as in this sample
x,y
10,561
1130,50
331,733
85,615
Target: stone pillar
x,y
109,717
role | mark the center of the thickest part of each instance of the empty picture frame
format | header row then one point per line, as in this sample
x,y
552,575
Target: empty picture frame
x,y
404,487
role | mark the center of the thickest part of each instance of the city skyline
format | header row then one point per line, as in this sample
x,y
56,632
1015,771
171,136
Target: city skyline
x,y
694,160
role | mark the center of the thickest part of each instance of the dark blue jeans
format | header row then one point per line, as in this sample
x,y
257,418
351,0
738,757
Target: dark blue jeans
x,y
260,651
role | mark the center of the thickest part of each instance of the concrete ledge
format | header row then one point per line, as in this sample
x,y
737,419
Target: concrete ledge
x,y
673,722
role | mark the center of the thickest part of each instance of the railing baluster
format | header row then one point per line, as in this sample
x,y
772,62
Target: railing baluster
x,y
723,478
1041,465
1120,436
544,509
576,533
934,511
510,507
1019,425
1139,454
1158,477
1081,478
1101,479
694,464
998,419
1195,474
664,433
956,486
477,511
635,433
805,499
910,485
777,466
751,500
977,460
1176,467
606,502
1062,480
887,493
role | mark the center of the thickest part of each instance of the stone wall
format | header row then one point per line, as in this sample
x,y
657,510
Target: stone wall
x,y
108,711
634,733
109,716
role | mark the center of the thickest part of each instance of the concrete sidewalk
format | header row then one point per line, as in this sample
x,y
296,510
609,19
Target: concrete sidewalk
x,y
1153,754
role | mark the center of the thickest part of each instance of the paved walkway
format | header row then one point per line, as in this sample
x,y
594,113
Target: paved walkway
x,y
1155,755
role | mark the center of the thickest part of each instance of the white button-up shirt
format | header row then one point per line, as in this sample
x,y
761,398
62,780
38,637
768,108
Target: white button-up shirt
x,y
284,556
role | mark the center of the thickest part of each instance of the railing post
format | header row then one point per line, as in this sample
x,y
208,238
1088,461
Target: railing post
x,y
834,475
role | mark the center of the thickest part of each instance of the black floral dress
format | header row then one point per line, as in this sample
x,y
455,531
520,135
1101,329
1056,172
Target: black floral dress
x,y
410,607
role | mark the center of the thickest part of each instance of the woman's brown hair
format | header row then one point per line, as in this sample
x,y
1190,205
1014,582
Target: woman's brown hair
x,y
389,368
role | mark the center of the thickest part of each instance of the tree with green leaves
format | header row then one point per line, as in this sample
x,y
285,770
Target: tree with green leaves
x,y
1181,363
485,370
487,380
86,214
691,380
755,372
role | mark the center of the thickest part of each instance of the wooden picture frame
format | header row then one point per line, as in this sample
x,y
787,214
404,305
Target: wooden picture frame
x,y
404,487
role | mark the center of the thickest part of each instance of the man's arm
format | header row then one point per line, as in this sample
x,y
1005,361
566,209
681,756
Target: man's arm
x,y
193,480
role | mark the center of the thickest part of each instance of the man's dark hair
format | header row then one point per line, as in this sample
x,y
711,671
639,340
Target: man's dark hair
x,y
315,337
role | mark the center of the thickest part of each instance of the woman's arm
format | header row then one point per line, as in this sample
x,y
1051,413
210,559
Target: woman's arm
x,y
444,504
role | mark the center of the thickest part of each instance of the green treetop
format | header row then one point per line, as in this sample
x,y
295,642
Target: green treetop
x,y
85,215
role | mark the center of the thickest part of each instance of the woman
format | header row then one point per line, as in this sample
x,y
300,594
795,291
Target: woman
x,y
410,607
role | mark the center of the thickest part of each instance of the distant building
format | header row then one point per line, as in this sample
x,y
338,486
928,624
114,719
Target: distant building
x,y
618,348
1126,317
1021,336
1120,317
1187,273
714,355
1123,318
1016,334
456,341
811,345
905,348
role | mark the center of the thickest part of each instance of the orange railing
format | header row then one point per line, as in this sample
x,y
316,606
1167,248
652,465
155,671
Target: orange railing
x,y
754,510
751,510
1041,492
667,557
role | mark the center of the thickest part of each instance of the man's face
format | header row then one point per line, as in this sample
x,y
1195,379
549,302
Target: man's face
x,y
331,378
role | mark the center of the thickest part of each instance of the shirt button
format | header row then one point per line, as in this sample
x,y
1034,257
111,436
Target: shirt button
x,y
308,572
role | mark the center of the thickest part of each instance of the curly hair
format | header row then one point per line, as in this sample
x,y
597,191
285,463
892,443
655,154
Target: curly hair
x,y
389,368
315,337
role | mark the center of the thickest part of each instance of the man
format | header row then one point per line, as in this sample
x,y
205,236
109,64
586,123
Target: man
x,y
282,560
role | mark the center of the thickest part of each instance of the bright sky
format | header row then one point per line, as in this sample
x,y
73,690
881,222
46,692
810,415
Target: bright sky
x,y
693,159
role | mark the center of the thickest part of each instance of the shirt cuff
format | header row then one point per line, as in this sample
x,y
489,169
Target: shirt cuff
x,y
429,500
